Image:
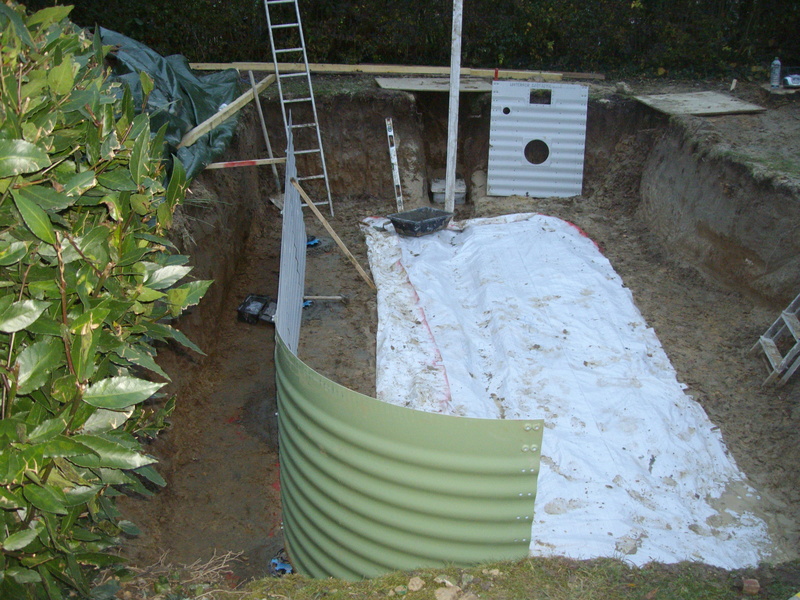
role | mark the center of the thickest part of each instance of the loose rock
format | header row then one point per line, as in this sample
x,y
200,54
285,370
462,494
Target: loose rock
x,y
415,584
448,593
751,587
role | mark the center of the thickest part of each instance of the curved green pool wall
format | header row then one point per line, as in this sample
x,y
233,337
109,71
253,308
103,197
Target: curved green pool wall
x,y
368,487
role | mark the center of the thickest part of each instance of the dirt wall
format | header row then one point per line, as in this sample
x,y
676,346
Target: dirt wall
x,y
720,216
703,206
212,227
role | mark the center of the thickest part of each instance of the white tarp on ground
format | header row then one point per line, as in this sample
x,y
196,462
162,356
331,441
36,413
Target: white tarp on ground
x,y
522,317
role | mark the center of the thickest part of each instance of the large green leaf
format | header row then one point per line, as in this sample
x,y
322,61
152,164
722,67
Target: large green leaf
x,y
81,494
129,527
49,583
36,363
109,454
12,468
48,16
84,350
19,540
117,179
165,332
45,198
18,157
147,294
149,472
185,295
132,256
79,183
21,314
19,25
139,124
89,320
9,500
140,156
46,498
62,77
110,146
47,430
142,358
65,388
117,393
159,278
177,183
64,447
35,218
21,574
103,420
12,253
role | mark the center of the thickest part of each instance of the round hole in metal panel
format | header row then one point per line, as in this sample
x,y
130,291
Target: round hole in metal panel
x,y
506,110
536,152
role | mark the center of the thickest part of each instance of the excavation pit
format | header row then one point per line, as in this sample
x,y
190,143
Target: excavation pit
x,y
663,198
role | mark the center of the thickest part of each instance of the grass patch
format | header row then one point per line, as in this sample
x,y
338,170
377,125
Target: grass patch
x,y
773,162
538,578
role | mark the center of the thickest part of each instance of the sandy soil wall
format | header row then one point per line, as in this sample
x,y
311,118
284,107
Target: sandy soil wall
x,y
719,216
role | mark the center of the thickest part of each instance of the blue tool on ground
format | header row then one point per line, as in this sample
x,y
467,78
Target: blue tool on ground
x,y
279,565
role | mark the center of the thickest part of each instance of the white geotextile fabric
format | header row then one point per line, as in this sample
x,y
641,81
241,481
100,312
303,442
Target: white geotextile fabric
x,y
520,317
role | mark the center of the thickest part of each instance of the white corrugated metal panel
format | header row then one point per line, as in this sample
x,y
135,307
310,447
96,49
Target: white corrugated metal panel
x,y
291,283
549,119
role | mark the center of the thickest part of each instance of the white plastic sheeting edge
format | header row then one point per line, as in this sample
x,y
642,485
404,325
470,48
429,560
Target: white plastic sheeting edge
x,y
521,316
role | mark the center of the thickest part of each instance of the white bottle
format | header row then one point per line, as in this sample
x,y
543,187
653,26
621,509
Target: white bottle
x,y
775,73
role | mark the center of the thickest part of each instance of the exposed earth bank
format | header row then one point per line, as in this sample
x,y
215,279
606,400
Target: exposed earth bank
x,y
699,216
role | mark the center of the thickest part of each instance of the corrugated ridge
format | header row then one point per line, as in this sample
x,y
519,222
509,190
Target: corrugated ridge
x,y
369,487
561,125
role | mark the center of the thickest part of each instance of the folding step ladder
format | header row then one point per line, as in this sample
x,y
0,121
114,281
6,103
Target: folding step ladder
x,y
295,91
781,345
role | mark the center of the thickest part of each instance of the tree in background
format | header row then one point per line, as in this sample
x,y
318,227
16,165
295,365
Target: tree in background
x,y
632,36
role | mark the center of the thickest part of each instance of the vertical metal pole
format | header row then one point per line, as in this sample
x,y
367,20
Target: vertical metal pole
x,y
452,124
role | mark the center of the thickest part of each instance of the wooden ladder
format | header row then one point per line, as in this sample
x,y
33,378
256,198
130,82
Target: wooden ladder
x,y
295,90
782,336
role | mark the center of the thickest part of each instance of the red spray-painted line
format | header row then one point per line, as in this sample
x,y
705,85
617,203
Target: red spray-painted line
x,y
584,234
438,361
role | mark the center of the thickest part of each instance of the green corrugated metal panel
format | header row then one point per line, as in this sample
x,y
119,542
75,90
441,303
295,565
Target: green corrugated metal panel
x,y
368,487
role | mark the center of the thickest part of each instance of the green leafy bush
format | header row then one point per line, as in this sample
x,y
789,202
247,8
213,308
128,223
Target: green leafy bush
x,y
88,281
621,36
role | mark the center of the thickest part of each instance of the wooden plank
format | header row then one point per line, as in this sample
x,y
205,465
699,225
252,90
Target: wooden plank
x,y
698,103
329,229
264,132
432,84
392,69
247,163
225,113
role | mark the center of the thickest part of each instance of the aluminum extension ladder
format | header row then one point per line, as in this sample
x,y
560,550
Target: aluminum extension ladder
x,y
295,91
782,336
